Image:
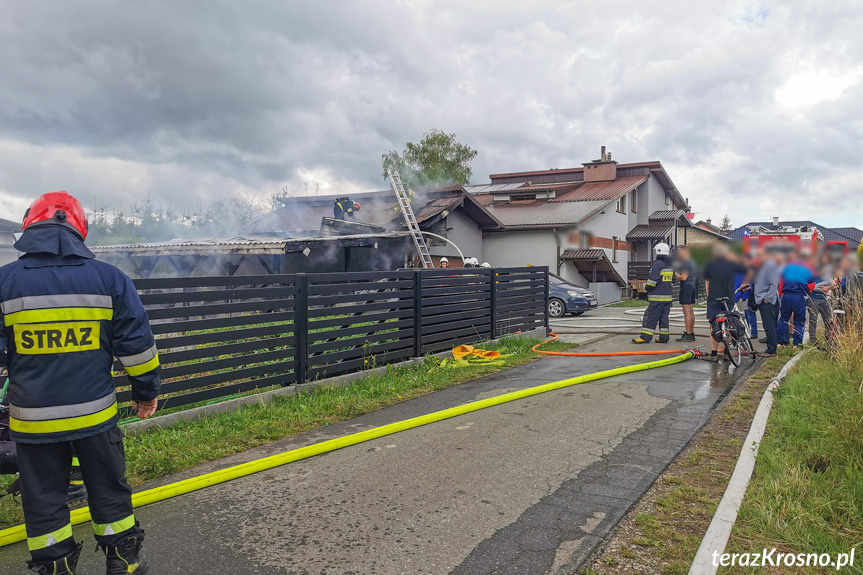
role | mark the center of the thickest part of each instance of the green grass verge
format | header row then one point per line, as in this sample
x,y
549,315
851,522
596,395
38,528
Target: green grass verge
x,y
629,303
806,495
161,452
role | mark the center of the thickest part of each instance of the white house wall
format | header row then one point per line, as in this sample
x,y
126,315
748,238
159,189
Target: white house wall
x,y
464,232
519,248
609,224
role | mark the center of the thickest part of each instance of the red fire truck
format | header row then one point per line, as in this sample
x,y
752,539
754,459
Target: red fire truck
x,y
786,238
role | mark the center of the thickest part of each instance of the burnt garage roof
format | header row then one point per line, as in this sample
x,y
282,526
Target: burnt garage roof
x,y
239,245
303,215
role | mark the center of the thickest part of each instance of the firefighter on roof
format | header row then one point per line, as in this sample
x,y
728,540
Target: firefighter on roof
x,y
65,318
659,294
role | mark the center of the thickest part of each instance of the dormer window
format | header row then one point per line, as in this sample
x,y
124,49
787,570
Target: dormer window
x,y
523,197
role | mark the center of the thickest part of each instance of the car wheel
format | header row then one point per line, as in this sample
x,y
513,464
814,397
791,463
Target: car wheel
x,y
556,307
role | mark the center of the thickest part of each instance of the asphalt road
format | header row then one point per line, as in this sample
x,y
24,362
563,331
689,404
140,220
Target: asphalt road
x,y
528,487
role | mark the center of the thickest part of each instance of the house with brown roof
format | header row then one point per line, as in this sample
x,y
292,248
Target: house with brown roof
x,y
587,224
8,229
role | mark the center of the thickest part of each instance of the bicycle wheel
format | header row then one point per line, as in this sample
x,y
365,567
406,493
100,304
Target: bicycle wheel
x,y
746,345
732,349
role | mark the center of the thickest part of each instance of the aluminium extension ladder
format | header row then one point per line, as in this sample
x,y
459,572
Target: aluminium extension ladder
x,y
410,219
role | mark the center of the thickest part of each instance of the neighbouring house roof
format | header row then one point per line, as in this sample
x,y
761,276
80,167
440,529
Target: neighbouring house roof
x,y
577,174
829,234
303,215
853,233
573,202
708,227
545,214
9,225
583,260
650,232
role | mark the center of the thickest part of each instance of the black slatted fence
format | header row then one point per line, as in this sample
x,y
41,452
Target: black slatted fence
x,y
220,336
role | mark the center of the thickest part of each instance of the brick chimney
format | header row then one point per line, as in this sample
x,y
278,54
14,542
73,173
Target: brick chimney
x,y
602,170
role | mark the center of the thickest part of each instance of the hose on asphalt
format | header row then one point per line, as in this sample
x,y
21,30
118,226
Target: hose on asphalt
x,y
82,515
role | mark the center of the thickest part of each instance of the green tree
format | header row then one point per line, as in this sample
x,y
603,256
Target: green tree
x,y
725,226
437,160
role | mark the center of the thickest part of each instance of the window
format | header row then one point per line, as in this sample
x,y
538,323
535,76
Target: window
x,y
633,201
621,205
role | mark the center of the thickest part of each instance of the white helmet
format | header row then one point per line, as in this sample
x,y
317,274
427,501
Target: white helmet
x,y
474,262
485,265
662,249
443,260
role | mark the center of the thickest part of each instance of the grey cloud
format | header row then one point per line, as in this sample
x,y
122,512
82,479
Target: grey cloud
x,y
200,98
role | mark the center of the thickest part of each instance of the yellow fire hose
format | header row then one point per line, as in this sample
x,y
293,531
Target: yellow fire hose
x,y
82,515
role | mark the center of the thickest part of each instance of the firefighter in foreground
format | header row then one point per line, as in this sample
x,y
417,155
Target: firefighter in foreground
x,y
659,294
65,318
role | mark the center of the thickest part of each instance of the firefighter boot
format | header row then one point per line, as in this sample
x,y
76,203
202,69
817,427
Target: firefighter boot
x,y
62,566
77,492
126,557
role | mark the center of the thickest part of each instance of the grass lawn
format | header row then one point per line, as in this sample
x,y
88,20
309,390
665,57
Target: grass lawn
x,y
161,452
806,494
629,303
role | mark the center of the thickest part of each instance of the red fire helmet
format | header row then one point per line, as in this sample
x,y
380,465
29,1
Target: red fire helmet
x,y
57,208
356,206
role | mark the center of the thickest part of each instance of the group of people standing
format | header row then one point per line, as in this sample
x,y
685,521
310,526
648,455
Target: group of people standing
x,y
780,286
788,286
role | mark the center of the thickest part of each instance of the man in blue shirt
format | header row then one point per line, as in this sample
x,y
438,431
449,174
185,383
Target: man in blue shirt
x,y
797,282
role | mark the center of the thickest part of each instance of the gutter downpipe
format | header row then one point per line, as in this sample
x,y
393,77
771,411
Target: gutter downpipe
x,y
557,243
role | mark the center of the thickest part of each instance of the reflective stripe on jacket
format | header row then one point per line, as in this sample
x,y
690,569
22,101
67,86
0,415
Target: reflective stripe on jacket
x,y
64,319
659,281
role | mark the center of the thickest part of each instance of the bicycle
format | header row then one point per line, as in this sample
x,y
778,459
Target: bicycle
x,y
733,337
739,309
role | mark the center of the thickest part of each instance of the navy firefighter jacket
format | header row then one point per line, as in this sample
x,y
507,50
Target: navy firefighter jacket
x,y
65,317
660,280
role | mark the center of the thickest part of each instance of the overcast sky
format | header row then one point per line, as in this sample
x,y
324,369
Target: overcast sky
x,y
754,108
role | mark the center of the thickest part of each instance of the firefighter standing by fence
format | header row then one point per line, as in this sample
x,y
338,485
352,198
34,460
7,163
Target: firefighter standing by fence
x,y
659,294
65,317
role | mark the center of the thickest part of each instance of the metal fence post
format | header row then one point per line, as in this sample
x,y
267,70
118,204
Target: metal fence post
x,y
418,313
493,292
301,326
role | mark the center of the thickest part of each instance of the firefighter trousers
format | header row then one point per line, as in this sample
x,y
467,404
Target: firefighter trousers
x,y
656,313
45,471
